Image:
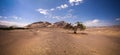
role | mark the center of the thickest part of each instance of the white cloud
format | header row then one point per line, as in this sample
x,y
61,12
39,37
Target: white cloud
x,y
0,16
43,11
52,9
58,17
69,16
5,17
16,17
94,22
75,2
117,19
62,6
47,12
9,23
13,17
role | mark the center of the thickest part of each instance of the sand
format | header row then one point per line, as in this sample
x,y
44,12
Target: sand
x,y
55,41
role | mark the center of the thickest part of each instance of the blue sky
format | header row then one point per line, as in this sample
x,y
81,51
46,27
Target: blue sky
x,y
90,12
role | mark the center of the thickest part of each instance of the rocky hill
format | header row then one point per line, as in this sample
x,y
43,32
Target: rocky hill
x,y
42,24
39,24
60,24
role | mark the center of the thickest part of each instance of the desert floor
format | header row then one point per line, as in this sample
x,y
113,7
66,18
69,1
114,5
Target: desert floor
x,y
55,41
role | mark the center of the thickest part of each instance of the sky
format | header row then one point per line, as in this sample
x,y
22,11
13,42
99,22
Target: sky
x,y
89,12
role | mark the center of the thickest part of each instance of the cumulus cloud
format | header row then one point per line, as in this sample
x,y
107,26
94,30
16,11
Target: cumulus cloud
x,y
43,11
9,23
94,22
75,2
62,6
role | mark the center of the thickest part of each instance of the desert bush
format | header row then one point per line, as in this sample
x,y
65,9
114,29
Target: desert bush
x,y
13,28
78,25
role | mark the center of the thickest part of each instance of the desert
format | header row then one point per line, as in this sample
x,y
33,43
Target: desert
x,y
58,41
59,27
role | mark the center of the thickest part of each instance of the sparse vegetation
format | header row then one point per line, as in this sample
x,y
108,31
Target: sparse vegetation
x,y
75,27
57,41
12,28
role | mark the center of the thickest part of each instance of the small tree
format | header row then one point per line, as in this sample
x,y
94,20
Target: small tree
x,y
80,26
75,27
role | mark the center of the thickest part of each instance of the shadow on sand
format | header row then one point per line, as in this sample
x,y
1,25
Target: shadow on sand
x,y
79,33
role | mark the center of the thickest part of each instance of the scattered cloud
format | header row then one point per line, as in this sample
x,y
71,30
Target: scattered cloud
x,y
47,12
15,17
62,6
70,10
52,9
43,11
75,2
69,16
117,19
0,16
9,23
5,17
94,22
58,17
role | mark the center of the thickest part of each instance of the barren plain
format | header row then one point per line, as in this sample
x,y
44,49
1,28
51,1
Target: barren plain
x,y
56,41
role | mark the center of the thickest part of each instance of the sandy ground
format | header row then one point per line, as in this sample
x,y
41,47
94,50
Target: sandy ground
x,y
54,41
